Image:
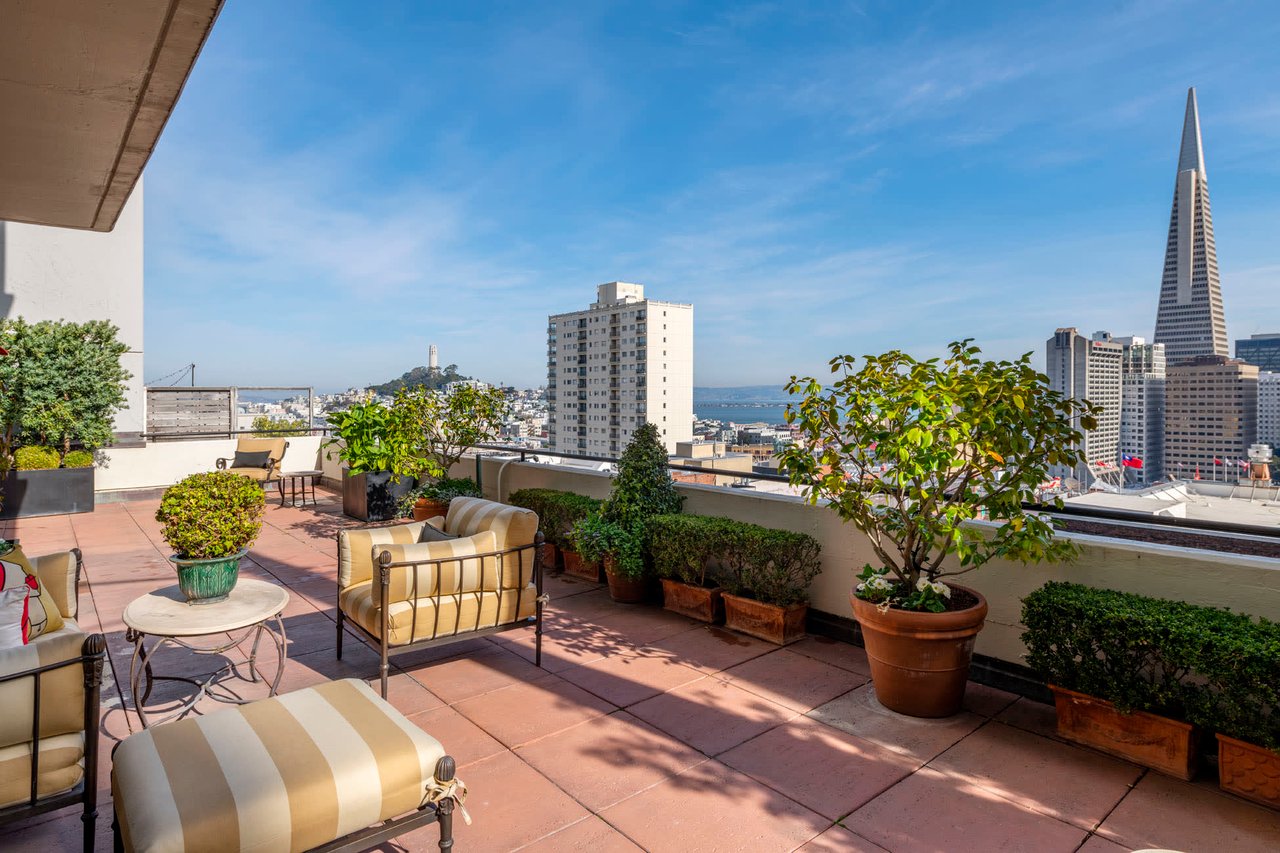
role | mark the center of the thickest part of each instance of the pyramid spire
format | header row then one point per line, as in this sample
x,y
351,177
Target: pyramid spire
x,y
1191,155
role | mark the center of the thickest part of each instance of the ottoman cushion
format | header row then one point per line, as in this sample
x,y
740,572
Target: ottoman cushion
x,y
282,774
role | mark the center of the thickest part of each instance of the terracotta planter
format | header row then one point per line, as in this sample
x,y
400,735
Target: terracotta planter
x,y
623,589
1249,771
696,602
920,661
425,508
1160,743
768,622
550,559
573,565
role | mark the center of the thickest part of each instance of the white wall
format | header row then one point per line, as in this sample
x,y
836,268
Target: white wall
x,y
163,463
63,274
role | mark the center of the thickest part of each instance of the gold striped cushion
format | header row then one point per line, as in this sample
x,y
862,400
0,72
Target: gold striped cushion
x,y
513,526
58,574
411,621
430,579
61,768
281,774
61,690
355,549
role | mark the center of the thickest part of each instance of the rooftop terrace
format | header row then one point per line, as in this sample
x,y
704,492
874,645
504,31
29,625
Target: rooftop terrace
x,y
647,730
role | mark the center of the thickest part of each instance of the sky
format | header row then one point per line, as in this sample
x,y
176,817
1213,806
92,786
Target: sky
x,y
343,184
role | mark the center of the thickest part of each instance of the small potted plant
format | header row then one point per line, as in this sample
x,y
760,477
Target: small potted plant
x,y
210,520
432,499
932,460
618,548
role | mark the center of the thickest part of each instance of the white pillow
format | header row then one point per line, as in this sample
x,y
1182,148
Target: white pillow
x,y
13,612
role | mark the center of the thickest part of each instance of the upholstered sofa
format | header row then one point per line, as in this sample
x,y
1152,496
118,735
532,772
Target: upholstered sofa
x,y
49,710
476,571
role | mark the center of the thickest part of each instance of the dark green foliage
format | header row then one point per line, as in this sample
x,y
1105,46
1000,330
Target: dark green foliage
x,y
770,565
595,538
1216,669
211,515
264,427
643,487
78,459
440,490
33,457
557,511
62,382
421,377
371,438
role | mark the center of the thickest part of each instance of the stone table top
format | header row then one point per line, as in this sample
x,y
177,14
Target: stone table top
x,y
166,613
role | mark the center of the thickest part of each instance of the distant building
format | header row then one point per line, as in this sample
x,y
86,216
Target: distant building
x,y
1269,409
433,358
1142,375
1189,319
623,361
712,456
1210,413
1089,369
1263,351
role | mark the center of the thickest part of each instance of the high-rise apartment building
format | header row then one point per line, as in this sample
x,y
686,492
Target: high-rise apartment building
x,y
623,361
1089,369
1210,417
1260,350
1269,409
1142,380
1189,319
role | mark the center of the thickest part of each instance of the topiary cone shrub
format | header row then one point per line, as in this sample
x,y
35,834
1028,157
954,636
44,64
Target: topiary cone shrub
x,y
218,514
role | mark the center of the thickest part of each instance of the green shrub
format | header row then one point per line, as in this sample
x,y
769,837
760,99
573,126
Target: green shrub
x,y
557,511
33,457
770,565
595,538
1216,669
78,459
211,515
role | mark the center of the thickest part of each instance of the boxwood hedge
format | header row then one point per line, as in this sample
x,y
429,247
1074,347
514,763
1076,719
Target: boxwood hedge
x,y
557,511
1213,668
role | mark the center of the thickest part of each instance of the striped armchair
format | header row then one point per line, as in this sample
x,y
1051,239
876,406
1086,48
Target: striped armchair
x,y
413,586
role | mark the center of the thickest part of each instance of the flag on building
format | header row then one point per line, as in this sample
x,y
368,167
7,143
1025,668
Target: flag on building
x,y
1130,461
1217,461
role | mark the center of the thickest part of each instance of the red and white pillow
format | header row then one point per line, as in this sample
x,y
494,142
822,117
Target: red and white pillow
x,y
22,613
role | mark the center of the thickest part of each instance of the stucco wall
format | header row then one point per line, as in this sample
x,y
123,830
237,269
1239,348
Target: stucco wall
x,y
1246,584
163,463
63,274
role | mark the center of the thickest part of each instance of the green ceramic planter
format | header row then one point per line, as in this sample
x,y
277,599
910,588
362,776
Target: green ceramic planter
x,y
210,580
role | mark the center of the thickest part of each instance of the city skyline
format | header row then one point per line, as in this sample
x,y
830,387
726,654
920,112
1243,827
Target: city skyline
x,y
795,172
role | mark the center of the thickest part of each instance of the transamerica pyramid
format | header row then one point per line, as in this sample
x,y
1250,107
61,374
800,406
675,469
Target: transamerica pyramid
x,y
1189,319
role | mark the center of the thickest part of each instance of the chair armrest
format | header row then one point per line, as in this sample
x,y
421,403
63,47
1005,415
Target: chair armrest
x,y
221,463
60,574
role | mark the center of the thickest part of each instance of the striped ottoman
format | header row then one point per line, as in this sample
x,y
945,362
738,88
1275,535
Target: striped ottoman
x,y
289,773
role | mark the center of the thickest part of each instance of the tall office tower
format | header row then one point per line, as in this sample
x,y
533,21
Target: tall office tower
x,y
1089,369
1269,409
623,361
1210,418
1142,380
1189,320
433,358
1260,350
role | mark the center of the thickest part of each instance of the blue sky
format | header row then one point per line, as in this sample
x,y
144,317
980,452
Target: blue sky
x,y
343,184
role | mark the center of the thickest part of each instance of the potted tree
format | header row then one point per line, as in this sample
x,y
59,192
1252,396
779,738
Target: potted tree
x,y
210,520
62,385
371,438
913,453
642,490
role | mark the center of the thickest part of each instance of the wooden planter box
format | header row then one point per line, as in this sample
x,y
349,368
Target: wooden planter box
x,y
768,622
374,497
1168,746
696,602
1249,771
52,491
573,565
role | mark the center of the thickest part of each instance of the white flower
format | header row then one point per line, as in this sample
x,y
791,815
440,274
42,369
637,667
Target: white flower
x,y
936,588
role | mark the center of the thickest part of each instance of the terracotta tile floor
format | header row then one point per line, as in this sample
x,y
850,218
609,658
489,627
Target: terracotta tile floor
x,y
648,731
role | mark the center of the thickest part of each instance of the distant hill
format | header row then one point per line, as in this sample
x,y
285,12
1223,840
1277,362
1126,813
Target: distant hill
x,y
740,394
432,378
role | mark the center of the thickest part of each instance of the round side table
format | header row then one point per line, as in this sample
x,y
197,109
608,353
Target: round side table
x,y
252,610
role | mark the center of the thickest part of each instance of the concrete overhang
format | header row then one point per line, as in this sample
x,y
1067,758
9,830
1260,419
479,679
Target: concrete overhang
x,y
86,87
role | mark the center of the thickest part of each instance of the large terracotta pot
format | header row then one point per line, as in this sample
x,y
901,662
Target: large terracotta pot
x,y
769,622
1249,771
550,557
576,566
1160,743
920,661
425,508
696,602
623,589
